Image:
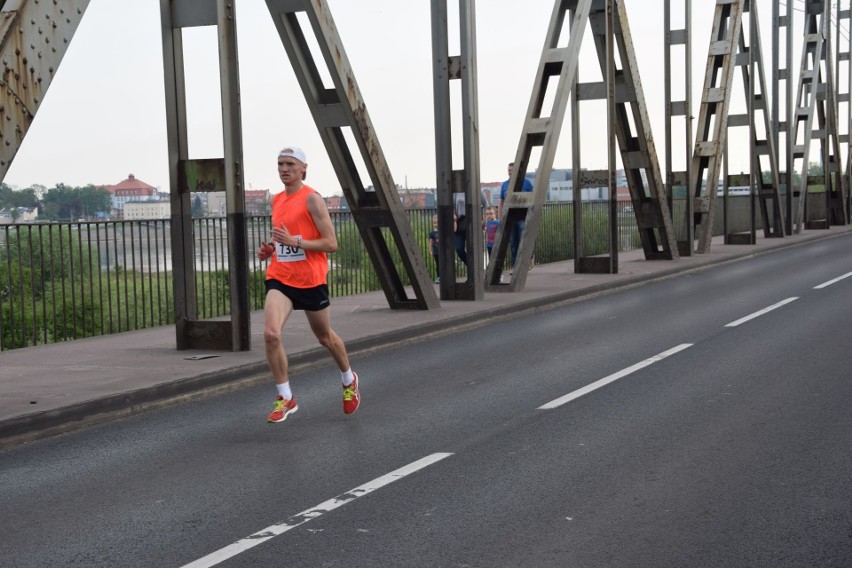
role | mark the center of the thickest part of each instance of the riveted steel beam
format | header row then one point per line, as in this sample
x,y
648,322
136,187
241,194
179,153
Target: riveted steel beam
x,y
712,119
339,106
816,99
675,37
782,114
217,174
630,123
843,43
622,90
763,177
542,128
451,182
33,39
805,108
836,186
585,179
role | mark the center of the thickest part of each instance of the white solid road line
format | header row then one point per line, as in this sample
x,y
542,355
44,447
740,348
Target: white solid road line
x,y
271,532
761,312
614,377
830,282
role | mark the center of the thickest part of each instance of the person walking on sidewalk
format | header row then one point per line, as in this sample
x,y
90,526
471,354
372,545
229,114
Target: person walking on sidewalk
x,y
461,222
518,227
302,234
434,246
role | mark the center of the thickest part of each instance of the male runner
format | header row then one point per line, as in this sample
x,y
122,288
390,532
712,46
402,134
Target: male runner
x,y
302,234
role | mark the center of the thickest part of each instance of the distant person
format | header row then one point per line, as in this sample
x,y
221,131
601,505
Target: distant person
x,y
491,226
302,234
435,247
462,222
518,228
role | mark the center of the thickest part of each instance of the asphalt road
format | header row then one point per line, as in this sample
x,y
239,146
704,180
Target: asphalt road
x,y
674,424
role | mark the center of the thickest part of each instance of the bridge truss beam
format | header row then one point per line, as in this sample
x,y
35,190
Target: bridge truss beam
x,y
378,214
34,37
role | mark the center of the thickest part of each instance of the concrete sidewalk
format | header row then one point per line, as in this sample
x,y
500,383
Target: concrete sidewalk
x,y
50,389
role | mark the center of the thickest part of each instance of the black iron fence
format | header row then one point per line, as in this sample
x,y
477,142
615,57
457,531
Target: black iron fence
x,y
65,281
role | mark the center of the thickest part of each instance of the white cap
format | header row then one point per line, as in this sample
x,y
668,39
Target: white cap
x,y
293,152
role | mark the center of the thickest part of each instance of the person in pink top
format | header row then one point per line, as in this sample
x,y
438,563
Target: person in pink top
x,y
302,234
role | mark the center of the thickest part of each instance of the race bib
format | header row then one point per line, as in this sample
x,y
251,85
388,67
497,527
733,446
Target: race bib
x,y
286,253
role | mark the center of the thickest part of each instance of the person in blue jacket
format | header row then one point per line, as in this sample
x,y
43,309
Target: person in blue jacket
x,y
518,228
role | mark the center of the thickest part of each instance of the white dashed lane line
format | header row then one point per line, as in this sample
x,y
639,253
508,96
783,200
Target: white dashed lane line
x,y
270,532
761,312
642,364
833,281
611,378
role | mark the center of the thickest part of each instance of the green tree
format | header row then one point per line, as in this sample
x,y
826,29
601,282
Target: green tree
x,y
13,199
59,202
62,202
94,200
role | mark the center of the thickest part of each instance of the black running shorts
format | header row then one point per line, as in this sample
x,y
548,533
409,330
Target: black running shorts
x,y
308,299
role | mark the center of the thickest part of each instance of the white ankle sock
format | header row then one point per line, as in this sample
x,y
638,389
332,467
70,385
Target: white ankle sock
x,y
284,390
347,377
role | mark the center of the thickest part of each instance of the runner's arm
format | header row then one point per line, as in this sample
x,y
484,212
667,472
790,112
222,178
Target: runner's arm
x,y
319,212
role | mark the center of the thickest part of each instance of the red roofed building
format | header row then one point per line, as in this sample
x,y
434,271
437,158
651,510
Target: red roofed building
x,y
417,199
335,203
131,189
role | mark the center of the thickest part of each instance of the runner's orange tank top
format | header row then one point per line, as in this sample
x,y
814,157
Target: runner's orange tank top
x,y
296,267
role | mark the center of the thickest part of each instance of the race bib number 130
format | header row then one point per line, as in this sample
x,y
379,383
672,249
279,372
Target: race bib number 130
x,y
289,254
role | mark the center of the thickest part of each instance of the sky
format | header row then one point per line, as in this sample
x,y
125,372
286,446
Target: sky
x,y
103,117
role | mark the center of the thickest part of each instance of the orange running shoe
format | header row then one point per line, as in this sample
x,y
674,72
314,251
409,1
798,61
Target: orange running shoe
x,y
282,409
351,396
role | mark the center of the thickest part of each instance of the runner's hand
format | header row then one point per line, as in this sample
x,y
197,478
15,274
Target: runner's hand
x,y
281,235
265,250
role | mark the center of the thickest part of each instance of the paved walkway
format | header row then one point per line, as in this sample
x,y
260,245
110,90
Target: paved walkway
x,y
46,390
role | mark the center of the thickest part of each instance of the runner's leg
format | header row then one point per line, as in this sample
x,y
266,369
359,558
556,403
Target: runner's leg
x,y
276,311
320,322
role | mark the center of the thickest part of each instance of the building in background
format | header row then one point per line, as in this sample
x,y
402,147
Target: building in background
x,y
336,203
136,210
11,215
130,190
215,204
417,198
561,188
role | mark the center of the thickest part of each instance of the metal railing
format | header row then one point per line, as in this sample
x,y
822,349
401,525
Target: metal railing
x,y
66,281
